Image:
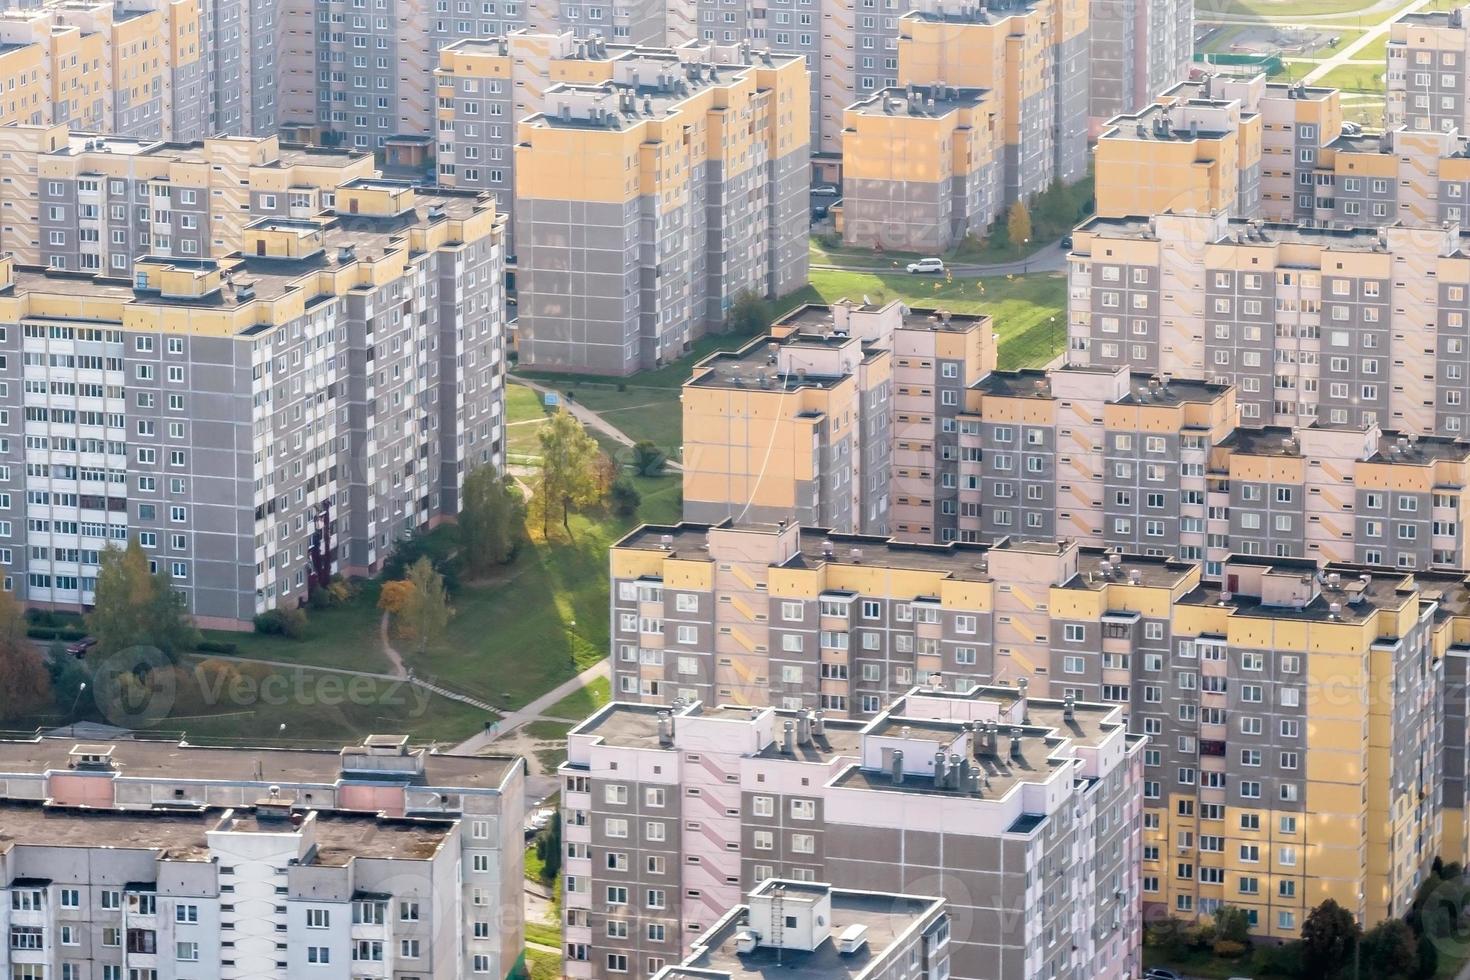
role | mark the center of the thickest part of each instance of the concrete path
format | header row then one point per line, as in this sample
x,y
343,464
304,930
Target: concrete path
x,y
394,657
587,416
534,710
1372,34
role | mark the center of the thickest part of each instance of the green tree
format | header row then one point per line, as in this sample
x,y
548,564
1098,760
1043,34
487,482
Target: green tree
x,y
136,607
1329,935
1390,951
25,686
648,459
425,612
748,315
68,678
1018,224
625,497
1428,958
1232,925
568,478
548,849
491,518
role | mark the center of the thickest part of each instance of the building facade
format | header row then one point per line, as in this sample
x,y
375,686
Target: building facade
x,y
649,202
163,859
985,796
1138,49
258,421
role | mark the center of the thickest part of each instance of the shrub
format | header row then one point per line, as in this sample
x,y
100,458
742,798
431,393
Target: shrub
x,y
216,646
290,623
1229,949
42,632
625,497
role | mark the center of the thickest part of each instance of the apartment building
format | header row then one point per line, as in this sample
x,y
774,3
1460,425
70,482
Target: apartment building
x,y
1138,49
234,862
986,796
920,172
1425,84
648,202
295,406
77,202
1032,61
836,419
104,819
1312,325
832,932
131,69
1184,153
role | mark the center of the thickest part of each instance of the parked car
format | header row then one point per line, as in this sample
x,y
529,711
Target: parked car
x,y
930,266
79,649
1066,241
1158,973
825,190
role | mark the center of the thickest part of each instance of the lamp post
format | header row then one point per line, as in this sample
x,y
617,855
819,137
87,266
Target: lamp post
x,y
1025,255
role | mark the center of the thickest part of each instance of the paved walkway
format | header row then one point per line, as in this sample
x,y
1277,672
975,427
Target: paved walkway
x,y
534,710
1372,34
588,417
1048,258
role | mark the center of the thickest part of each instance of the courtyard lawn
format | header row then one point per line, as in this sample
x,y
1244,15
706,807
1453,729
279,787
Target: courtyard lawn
x,y
1355,78
583,702
345,637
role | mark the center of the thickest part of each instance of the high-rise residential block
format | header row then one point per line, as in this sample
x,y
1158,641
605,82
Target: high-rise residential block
x,y
986,796
84,203
260,420
1032,62
1254,773
160,858
1138,49
647,203
1191,153
837,419
919,172
834,933
1426,81
1312,325
134,69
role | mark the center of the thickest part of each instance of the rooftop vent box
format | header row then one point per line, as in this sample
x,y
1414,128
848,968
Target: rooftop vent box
x,y
853,938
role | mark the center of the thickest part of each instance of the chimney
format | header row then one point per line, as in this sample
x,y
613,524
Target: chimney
x,y
665,728
819,724
1015,742
967,776
941,774
1069,706
897,766
788,737
804,728
956,776
1023,685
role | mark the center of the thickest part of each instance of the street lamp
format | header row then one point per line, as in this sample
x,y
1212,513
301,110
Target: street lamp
x,y
1025,255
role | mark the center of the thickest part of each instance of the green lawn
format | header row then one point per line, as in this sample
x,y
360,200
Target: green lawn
x,y
542,966
644,412
524,415
1355,78
545,933
1375,50
1282,9
345,637
584,702
318,708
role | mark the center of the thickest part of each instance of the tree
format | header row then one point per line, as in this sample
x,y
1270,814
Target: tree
x,y
1232,925
135,607
1018,224
648,459
1428,958
568,477
548,849
1328,937
1390,951
426,612
749,314
394,596
67,677
491,517
25,685
625,497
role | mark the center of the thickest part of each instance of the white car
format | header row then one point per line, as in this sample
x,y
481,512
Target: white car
x,y
927,266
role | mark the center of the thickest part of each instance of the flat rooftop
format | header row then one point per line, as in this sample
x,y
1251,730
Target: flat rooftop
x,y
340,835
1036,383
1159,123
1153,571
942,12
1434,18
817,318
756,365
886,918
1419,450
1268,440
1356,599
168,760
635,726
925,102
1246,232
